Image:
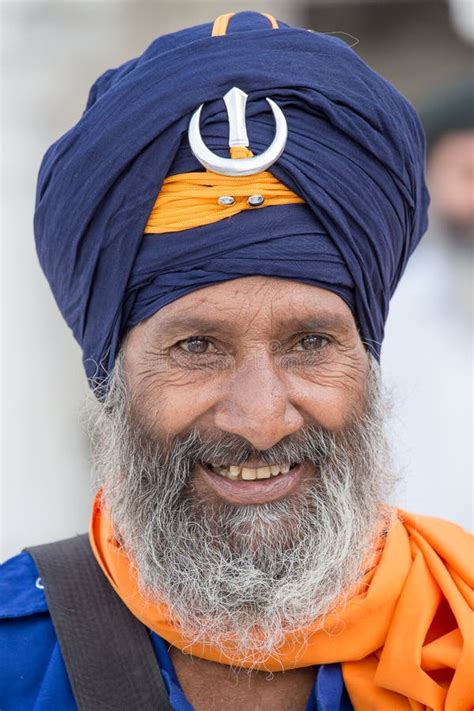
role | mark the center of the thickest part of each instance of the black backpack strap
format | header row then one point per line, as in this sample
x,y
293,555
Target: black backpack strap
x,y
108,653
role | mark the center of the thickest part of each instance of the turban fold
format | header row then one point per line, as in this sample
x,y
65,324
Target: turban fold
x,y
355,155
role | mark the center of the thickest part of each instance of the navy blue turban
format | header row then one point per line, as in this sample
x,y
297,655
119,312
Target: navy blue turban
x,y
355,154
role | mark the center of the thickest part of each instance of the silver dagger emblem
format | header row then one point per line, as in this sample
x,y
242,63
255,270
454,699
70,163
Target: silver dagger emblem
x,y
235,101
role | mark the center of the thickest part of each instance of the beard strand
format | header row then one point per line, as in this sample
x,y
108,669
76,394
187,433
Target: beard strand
x,y
244,577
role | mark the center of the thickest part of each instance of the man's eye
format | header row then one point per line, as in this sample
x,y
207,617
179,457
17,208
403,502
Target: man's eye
x,y
311,343
197,345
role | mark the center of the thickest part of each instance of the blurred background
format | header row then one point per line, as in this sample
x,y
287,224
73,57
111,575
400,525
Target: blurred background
x,y
52,51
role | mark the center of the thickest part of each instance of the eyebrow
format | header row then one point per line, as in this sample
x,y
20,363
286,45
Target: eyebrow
x,y
192,324
329,322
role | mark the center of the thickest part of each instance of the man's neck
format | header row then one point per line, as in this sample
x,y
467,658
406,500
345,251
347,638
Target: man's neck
x,y
212,687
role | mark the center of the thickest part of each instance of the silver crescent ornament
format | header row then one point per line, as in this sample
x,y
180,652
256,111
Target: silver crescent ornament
x,y
235,101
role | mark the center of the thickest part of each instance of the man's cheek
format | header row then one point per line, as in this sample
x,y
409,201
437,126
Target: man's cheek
x,y
331,406
173,404
331,396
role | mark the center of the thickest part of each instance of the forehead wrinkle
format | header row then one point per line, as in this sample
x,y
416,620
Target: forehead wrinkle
x,y
262,312
211,315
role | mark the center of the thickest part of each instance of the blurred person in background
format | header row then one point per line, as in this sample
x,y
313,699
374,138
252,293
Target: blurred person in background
x,y
432,313
449,128
229,291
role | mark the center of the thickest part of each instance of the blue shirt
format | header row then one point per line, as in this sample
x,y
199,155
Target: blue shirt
x,y
33,675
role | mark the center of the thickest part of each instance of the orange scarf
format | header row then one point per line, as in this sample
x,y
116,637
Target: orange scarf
x,y
405,639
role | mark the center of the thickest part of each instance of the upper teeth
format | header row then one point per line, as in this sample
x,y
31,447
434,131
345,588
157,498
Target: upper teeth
x,y
250,473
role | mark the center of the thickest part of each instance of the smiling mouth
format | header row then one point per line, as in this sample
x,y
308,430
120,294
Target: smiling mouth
x,y
240,484
243,473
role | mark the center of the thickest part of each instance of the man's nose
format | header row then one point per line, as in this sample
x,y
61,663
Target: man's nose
x,y
256,404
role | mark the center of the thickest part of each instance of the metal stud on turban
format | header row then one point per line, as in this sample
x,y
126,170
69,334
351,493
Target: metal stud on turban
x,y
354,154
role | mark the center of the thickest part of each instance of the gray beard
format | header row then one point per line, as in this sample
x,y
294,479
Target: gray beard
x,y
244,576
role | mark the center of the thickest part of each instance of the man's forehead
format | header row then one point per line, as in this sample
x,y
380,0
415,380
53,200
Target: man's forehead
x,y
260,303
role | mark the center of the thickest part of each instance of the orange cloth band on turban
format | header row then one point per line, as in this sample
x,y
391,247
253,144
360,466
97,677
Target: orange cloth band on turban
x,y
190,200
404,639
221,23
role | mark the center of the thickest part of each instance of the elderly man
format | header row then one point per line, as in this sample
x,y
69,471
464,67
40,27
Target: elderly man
x,y
231,306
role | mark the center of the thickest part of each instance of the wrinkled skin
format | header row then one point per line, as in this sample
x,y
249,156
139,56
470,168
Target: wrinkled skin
x,y
260,358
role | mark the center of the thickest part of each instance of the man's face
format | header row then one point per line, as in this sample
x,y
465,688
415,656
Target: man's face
x,y
242,457
260,358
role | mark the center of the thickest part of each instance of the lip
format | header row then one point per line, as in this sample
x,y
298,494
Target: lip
x,y
258,491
